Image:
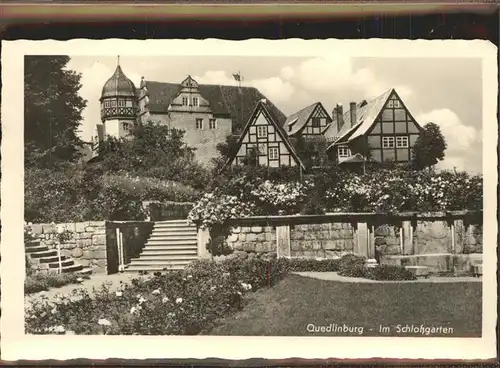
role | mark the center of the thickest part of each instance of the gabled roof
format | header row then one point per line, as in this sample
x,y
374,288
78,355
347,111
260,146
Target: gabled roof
x,y
297,120
232,101
366,113
269,114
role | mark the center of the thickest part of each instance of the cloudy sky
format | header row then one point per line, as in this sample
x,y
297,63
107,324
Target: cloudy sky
x,y
447,92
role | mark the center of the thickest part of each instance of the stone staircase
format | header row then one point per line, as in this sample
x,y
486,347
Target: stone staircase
x,y
47,260
171,246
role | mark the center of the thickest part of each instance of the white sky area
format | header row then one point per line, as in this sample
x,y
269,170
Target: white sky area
x,y
446,91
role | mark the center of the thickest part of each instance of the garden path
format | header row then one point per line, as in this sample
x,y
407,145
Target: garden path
x,y
334,276
95,281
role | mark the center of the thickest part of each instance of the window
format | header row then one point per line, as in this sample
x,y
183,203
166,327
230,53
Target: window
x,y
273,153
195,101
199,124
126,126
106,103
261,131
396,104
402,142
185,101
390,103
113,103
387,142
212,124
121,103
316,122
344,151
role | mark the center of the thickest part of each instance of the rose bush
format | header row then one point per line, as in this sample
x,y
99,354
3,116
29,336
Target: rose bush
x,y
383,190
180,302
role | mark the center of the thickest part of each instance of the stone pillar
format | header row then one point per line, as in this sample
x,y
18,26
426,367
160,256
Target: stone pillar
x,y
362,240
407,245
283,241
458,236
203,238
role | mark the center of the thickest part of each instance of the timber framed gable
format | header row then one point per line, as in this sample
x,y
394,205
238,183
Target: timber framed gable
x,y
264,138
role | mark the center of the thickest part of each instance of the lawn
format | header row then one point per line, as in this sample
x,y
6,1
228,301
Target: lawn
x,y
296,302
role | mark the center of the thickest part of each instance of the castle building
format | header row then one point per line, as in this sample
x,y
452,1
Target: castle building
x,y
206,113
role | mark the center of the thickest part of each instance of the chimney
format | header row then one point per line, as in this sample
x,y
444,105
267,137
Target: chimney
x,y
339,116
354,114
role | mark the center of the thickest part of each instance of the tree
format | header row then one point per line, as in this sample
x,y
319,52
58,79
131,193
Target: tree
x,y
153,150
226,150
429,147
52,111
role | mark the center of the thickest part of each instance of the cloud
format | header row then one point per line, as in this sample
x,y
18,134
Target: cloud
x,y
273,88
460,138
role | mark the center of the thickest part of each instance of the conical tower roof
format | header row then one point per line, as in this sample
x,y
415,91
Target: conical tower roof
x,y
118,85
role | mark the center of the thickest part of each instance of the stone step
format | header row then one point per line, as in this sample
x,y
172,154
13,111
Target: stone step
x,y
85,271
174,230
35,248
169,252
173,222
153,268
72,268
44,253
51,259
418,271
163,242
166,258
173,237
65,263
174,227
167,247
31,243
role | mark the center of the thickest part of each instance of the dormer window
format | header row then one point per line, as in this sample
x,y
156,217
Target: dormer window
x,y
185,101
315,122
196,102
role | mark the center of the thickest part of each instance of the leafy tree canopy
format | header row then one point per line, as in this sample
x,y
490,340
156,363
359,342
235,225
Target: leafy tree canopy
x,y
52,111
429,147
155,151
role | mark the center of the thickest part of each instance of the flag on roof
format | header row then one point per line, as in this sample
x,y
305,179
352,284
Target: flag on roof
x,y
237,76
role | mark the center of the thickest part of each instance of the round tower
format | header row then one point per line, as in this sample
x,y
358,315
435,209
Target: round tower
x,y
118,104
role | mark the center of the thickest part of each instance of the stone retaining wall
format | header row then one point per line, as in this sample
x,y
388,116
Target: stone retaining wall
x,y
85,242
259,239
94,244
321,240
368,234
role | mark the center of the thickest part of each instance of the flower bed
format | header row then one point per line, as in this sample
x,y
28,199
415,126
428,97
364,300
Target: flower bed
x,y
385,190
183,302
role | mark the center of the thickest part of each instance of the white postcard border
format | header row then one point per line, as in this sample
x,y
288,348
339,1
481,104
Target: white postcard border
x,y
16,345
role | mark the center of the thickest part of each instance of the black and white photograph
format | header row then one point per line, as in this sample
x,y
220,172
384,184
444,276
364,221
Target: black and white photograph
x,y
251,192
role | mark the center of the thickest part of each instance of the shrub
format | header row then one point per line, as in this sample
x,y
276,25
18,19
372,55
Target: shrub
x,y
178,302
389,272
352,265
41,281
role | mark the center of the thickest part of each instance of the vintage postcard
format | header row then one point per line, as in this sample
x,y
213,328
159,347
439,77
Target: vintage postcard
x,y
273,199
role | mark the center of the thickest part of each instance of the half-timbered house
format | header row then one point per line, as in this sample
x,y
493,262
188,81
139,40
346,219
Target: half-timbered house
x,y
380,130
264,140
